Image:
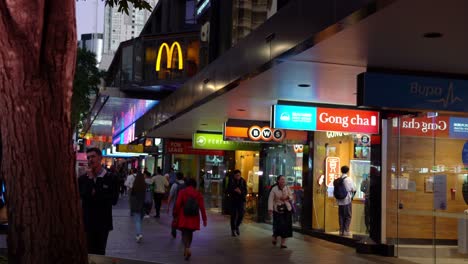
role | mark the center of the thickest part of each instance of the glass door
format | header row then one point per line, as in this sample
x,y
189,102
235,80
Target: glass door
x,y
425,169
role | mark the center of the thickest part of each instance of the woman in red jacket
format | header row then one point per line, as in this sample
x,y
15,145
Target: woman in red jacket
x,y
187,210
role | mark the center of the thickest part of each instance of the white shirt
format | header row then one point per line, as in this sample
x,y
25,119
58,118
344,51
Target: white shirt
x,y
129,181
349,185
275,198
161,183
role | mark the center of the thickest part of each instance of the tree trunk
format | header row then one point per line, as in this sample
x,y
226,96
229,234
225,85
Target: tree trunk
x,y
37,64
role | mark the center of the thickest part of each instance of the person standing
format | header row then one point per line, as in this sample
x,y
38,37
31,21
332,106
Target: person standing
x,y
99,191
279,204
137,199
344,190
176,187
237,190
186,211
161,184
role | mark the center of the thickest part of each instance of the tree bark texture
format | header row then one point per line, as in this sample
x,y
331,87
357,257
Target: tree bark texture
x,y
37,64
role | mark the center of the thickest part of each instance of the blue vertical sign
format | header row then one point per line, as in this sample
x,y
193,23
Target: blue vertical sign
x,y
294,117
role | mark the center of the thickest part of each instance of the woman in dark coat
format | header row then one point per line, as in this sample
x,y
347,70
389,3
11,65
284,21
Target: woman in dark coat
x,y
188,223
137,199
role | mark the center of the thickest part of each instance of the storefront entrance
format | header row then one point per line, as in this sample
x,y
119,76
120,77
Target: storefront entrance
x,y
427,188
333,150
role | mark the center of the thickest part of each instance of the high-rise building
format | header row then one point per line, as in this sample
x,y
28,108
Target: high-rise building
x,y
93,43
119,27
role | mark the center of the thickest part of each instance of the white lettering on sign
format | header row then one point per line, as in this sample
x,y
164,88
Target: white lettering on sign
x,y
331,134
425,90
344,121
265,133
425,126
301,117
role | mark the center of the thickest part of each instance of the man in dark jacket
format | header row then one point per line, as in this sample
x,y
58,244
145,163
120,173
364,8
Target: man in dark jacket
x,y
237,190
98,192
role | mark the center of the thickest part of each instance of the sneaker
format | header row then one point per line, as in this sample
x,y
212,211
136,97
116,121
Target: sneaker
x,y
138,238
146,216
237,231
347,233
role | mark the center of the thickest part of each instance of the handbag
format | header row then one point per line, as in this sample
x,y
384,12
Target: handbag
x,y
281,208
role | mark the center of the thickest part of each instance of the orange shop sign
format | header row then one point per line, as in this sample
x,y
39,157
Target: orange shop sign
x,y
332,170
259,131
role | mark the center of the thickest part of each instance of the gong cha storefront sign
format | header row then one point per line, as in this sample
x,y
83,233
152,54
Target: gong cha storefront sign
x,y
311,118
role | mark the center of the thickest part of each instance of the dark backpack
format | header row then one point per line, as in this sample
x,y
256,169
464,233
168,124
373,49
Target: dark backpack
x,y
191,207
339,190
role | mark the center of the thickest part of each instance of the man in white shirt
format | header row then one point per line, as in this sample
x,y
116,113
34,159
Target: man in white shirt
x,y
345,205
129,183
161,183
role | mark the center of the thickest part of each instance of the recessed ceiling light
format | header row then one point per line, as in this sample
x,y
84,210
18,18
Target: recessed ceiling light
x,y
432,35
303,85
241,110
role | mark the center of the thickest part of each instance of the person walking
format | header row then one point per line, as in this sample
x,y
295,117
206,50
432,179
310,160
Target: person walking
x,y
237,190
129,183
279,205
137,199
99,191
187,211
148,204
161,184
178,185
343,191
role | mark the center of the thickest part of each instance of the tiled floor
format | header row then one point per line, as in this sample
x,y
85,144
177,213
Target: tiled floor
x,y
214,244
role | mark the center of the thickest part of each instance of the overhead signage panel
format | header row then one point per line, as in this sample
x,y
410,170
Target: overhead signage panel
x,y
216,141
412,92
130,148
294,117
260,131
312,118
185,147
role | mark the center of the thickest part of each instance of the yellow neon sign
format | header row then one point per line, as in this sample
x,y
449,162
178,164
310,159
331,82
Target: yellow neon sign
x,y
169,52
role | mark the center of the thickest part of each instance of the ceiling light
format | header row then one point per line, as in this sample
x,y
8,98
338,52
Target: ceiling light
x,y
303,85
241,110
432,35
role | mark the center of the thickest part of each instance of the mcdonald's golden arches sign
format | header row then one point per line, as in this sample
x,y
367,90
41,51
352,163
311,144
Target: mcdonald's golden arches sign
x,y
170,53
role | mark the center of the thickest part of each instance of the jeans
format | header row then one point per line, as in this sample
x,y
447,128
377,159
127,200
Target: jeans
x,y
344,214
237,214
137,218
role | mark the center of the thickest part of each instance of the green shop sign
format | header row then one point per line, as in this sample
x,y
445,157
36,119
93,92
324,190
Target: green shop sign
x,y
215,141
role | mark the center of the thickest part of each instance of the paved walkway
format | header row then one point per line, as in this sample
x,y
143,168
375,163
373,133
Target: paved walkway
x,y
214,244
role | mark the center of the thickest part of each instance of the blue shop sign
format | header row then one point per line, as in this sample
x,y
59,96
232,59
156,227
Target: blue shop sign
x,y
412,92
458,127
294,117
